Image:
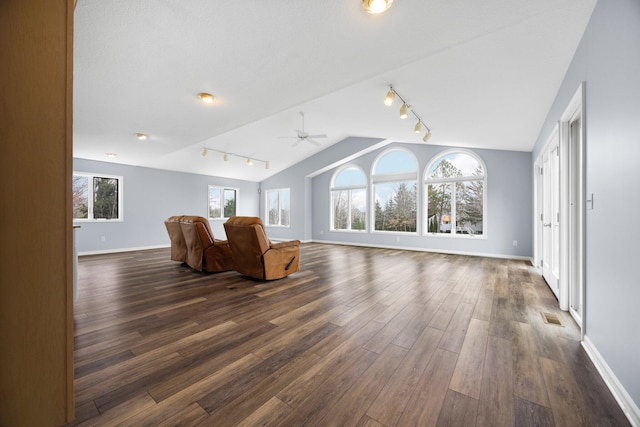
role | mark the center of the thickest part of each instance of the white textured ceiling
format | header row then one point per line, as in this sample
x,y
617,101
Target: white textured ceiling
x,y
481,74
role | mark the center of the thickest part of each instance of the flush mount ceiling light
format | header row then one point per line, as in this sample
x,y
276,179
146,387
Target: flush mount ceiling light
x,y
376,6
141,136
404,112
207,98
226,154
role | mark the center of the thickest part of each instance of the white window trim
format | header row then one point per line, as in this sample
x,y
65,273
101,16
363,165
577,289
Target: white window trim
x,y
426,181
266,207
92,175
221,187
348,188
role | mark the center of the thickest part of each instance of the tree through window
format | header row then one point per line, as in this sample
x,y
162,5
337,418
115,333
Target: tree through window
x,y
96,197
222,202
395,192
348,199
455,183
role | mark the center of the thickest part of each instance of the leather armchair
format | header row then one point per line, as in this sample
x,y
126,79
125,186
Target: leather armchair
x,y
253,253
204,253
178,245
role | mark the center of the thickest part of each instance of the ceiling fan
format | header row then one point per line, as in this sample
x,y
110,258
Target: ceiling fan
x,y
304,136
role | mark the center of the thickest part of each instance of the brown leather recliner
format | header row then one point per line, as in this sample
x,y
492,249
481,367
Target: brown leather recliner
x,y
178,246
253,253
204,253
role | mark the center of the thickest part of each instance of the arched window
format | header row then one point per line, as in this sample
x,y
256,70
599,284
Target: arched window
x,y
455,183
349,199
394,177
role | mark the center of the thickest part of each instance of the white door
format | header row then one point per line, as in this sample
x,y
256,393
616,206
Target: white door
x,y
551,215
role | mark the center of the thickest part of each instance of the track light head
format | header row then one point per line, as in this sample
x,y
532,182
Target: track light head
x,y
225,156
391,96
266,165
418,127
205,152
249,161
426,136
404,111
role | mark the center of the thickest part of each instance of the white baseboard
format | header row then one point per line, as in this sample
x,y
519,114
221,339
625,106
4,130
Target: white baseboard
x,y
115,251
439,251
628,406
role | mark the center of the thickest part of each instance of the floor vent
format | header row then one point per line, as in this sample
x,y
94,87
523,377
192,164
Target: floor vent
x,y
551,319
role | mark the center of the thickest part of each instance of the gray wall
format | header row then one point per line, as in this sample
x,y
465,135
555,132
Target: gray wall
x,y
150,197
509,207
509,204
608,60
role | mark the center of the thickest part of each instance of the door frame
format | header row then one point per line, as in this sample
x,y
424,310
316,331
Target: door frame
x,y
572,183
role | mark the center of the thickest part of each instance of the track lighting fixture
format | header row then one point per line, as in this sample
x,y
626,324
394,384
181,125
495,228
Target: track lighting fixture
x,y
226,154
141,136
376,6
404,112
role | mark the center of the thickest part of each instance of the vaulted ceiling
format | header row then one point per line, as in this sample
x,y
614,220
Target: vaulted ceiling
x,y
481,74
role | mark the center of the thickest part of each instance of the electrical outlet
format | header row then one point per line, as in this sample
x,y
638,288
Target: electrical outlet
x,y
321,232
398,239
515,243
102,238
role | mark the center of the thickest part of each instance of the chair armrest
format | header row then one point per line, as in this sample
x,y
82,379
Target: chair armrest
x,y
281,245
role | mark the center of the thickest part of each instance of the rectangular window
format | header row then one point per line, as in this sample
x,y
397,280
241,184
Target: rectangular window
x,y
96,197
469,209
349,209
278,207
395,207
222,202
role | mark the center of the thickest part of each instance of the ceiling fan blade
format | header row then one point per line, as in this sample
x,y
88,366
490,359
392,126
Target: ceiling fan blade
x,y
314,142
317,136
297,142
287,137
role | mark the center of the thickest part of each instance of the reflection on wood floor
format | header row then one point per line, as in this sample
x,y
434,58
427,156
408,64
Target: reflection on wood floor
x,y
360,336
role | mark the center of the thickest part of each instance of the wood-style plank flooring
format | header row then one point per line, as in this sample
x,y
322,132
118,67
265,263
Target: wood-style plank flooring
x,y
358,337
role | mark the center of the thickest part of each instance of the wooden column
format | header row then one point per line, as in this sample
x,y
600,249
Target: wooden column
x,y
36,270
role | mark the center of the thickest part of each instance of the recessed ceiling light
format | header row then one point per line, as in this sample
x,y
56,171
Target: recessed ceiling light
x,y
141,136
111,154
376,6
207,98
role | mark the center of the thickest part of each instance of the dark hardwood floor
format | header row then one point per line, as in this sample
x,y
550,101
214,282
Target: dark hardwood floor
x,y
358,337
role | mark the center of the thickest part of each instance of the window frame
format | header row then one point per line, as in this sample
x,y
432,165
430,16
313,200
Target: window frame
x,y
385,178
222,189
90,196
266,207
453,181
349,189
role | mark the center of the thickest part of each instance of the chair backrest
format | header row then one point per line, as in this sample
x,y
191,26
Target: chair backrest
x,y
248,242
178,245
198,237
